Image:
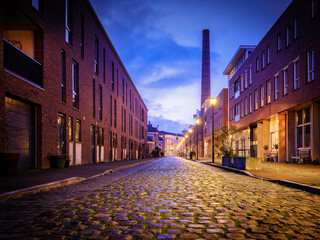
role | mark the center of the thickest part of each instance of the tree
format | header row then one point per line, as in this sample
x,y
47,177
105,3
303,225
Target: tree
x,y
224,139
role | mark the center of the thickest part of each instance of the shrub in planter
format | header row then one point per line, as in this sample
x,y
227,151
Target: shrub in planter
x,y
227,161
58,160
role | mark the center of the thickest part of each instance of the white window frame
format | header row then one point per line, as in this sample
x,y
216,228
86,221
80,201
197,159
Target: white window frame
x,y
237,112
261,95
256,104
268,99
296,74
303,125
285,81
310,65
276,87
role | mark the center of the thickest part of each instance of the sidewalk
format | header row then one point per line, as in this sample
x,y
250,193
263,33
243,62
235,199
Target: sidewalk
x,y
26,182
302,176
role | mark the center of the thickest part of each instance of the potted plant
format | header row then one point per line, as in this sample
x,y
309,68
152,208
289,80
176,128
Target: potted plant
x,y
9,161
58,160
266,155
192,154
224,139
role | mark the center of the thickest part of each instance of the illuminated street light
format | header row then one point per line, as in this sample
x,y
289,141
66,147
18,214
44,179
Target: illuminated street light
x,y
190,131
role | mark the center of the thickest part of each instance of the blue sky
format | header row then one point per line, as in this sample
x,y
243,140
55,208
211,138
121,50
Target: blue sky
x,y
159,42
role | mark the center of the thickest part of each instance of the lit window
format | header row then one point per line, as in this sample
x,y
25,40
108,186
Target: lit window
x,y
250,103
245,106
268,92
285,81
261,95
303,131
75,84
78,130
246,79
255,99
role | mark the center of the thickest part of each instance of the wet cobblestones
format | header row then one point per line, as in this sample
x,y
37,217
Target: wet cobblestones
x,y
166,199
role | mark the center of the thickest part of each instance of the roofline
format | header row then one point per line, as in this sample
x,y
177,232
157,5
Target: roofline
x,y
226,72
93,12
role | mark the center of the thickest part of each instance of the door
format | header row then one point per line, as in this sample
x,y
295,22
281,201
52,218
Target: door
x,y
20,131
253,141
93,144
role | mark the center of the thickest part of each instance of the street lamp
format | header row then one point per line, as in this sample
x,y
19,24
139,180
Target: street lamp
x,y
186,144
197,121
213,102
190,131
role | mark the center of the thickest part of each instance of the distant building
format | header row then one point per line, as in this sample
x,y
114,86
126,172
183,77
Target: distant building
x,y
274,88
220,119
64,88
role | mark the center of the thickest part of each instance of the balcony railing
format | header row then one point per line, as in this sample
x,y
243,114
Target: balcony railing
x,y
21,64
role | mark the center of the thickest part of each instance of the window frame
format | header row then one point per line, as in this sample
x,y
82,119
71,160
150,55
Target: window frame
x,y
285,81
296,74
310,72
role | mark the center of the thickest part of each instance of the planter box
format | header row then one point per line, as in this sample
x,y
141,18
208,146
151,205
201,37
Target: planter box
x,y
57,161
9,163
227,161
239,162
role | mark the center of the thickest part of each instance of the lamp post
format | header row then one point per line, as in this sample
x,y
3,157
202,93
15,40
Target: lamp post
x,y
190,131
197,123
186,144
213,102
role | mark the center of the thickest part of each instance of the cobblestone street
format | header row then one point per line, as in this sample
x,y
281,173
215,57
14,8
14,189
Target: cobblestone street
x,y
169,198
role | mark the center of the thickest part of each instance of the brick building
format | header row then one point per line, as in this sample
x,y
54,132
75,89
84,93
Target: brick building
x,y
220,119
274,87
64,88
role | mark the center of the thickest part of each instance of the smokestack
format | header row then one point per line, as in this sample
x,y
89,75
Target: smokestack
x,y
205,74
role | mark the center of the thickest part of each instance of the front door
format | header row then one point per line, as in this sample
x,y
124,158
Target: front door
x,y
93,144
61,133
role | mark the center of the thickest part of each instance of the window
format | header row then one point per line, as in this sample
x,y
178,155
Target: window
x,y
142,115
104,65
241,111
288,37
78,130
75,84
126,94
237,113
250,103
115,113
122,90
268,92
68,16
310,65
263,60
70,124
296,74
82,36
236,88
101,137
111,109
250,75
268,55
295,28
255,99
257,64
278,42
313,8
63,76
124,120
245,106
100,102
112,75
231,113
96,55
38,4
285,81
261,95
276,87
61,133
303,131
242,84
94,98
246,79
117,83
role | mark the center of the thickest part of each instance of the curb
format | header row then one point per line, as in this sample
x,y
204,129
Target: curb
x,y
47,186
286,183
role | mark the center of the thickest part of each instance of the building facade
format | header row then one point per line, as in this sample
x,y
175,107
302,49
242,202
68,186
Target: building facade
x,y
220,119
274,87
64,89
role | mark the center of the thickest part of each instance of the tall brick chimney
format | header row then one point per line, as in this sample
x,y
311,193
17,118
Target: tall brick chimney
x,y
205,74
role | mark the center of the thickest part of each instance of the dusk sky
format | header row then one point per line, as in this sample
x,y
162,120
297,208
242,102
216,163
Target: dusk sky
x,y
160,44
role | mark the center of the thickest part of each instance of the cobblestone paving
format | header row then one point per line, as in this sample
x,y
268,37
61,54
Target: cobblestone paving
x,y
170,198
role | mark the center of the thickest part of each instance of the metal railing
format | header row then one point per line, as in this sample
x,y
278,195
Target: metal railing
x,y
21,64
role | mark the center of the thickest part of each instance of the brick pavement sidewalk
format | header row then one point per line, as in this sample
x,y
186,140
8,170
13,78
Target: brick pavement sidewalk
x,y
27,179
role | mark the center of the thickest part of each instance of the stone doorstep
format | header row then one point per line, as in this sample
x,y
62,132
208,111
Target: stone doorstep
x,y
44,187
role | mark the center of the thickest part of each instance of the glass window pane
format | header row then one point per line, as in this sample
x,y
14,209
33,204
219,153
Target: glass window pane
x,y
299,120
307,136
299,137
307,115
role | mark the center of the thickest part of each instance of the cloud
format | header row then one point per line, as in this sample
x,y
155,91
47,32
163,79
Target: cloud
x,y
158,73
168,125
